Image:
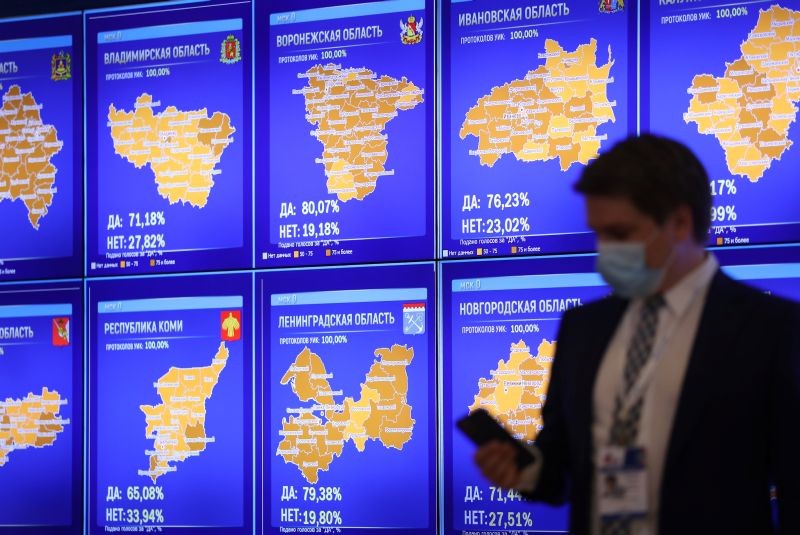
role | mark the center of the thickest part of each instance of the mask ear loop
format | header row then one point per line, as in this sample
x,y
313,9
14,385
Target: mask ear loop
x,y
667,263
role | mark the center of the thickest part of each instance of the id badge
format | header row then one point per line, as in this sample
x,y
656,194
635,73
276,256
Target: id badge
x,y
621,482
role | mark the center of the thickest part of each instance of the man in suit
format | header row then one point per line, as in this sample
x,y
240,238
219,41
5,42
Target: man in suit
x,y
694,373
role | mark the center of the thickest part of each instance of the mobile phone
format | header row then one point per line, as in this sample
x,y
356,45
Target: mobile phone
x,y
481,428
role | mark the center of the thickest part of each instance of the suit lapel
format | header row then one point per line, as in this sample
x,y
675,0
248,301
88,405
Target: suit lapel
x,y
716,330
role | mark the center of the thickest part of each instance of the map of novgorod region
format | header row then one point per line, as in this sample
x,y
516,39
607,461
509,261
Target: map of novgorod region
x,y
182,148
31,422
751,107
516,390
554,111
27,146
351,108
178,424
313,437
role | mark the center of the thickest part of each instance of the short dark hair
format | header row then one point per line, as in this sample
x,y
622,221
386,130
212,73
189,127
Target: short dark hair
x,y
657,175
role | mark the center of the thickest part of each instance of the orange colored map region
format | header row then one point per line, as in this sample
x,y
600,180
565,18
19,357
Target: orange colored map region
x,y
177,424
30,422
517,389
351,108
554,111
27,146
309,379
182,148
313,437
310,444
750,108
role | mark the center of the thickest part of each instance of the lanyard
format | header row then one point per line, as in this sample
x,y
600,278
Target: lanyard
x,y
627,401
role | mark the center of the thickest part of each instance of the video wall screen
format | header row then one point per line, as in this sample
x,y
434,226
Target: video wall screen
x,y
257,257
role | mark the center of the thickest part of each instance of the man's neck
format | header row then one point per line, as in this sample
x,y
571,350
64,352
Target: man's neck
x,y
686,260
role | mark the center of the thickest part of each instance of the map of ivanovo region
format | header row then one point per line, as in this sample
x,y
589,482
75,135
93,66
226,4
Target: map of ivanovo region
x,y
554,111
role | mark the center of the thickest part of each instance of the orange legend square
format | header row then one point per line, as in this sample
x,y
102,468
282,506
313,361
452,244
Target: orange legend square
x,y
296,254
327,252
122,263
480,251
513,249
152,262
720,241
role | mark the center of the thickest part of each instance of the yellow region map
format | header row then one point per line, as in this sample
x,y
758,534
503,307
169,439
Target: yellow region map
x,y
313,437
182,148
750,108
31,422
516,390
553,112
27,146
178,424
350,108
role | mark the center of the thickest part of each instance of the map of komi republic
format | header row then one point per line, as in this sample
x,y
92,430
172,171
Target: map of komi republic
x,y
182,148
178,423
30,422
516,390
313,437
553,112
751,107
27,146
351,108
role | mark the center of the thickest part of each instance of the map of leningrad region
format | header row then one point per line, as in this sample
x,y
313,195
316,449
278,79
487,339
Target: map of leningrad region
x,y
554,111
182,148
30,422
313,437
27,146
516,390
350,108
178,424
750,108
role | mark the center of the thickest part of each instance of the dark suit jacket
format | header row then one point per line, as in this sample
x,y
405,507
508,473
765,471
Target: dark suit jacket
x,y
736,427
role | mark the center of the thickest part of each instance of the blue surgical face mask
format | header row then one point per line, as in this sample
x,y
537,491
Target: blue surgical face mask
x,y
622,265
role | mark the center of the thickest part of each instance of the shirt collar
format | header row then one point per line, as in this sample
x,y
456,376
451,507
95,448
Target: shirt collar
x,y
679,297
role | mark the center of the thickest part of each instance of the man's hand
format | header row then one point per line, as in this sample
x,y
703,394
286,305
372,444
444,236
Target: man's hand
x,y
498,463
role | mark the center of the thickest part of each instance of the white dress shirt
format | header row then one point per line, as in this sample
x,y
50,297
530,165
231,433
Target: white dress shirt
x,y
677,327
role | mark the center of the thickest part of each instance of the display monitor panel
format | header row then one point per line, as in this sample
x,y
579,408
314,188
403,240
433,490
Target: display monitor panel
x,y
347,404
498,338
723,79
170,404
41,147
41,408
168,168
344,132
531,93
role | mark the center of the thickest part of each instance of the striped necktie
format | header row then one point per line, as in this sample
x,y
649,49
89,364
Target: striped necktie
x,y
625,427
